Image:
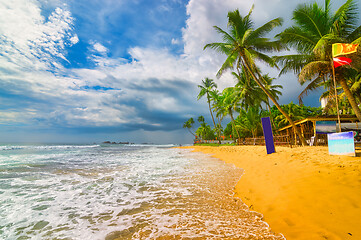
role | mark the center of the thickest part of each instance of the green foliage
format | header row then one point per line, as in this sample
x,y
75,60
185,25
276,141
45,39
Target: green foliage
x,y
296,112
200,119
249,121
214,144
314,31
205,132
189,125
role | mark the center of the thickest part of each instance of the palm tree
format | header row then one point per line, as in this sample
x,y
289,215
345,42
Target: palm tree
x,y
200,119
188,125
207,86
205,132
355,82
249,93
243,45
252,95
293,110
250,120
230,102
273,89
217,106
314,32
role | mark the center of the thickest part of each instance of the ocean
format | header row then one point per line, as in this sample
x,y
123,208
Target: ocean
x,y
121,192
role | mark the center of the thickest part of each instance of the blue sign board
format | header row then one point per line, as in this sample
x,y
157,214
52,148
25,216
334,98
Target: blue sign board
x,y
268,135
341,143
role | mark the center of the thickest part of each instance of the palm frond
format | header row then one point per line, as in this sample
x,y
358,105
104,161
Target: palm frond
x,y
296,37
266,28
246,36
353,36
312,19
261,57
357,41
294,62
323,46
225,35
237,24
345,17
310,87
265,45
219,47
228,64
313,70
202,92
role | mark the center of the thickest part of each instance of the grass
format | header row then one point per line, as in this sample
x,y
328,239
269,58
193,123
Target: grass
x,y
214,144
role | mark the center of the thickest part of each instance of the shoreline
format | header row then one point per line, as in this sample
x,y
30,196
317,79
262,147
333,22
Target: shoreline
x,y
303,193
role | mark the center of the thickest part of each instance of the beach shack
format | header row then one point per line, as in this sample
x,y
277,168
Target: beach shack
x,y
315,129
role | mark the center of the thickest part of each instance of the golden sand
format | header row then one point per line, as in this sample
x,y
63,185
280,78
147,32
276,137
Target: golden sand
x,y
303,193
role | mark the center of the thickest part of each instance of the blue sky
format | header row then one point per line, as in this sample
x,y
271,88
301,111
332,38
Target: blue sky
x,y
119,70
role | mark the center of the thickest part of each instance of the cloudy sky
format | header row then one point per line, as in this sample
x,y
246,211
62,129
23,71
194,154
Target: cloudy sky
x,y
119,70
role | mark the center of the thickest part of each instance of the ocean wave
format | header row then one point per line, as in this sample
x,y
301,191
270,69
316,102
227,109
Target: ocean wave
x,y
44,147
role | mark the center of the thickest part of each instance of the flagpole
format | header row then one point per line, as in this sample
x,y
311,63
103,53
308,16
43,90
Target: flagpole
x,y
334,83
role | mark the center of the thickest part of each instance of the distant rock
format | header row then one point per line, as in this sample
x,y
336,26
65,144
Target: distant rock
x,y
109,142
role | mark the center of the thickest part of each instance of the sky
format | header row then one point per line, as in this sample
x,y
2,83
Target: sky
x,y
84,71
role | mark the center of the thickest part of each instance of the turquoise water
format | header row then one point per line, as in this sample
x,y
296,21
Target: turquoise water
x,y
120,191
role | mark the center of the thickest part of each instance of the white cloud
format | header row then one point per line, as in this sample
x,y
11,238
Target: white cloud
x,y
175,41
100,48
75,100
31,40
203,15
33,43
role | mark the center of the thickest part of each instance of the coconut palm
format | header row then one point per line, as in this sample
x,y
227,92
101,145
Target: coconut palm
x,y
188,125
217,106
293,110
243,45
200,119
312,35
205,132
250,120
273,89
230,103
249,93
207,86
355,82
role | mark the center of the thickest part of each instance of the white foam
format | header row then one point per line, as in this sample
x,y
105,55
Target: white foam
x,y
147,192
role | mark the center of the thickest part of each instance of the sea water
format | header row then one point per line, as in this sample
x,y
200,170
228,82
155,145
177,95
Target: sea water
x,y
121,192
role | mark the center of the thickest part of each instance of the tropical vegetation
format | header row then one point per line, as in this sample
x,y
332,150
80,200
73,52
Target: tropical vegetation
x,y
311,36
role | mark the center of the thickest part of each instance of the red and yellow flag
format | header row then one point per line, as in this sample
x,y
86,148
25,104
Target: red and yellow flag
x,y
343,49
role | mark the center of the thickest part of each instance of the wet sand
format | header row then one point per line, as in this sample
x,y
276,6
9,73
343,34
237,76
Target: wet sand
x,y
303,193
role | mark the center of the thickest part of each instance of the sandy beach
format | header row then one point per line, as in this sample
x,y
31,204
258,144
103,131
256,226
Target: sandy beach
x,y
303,193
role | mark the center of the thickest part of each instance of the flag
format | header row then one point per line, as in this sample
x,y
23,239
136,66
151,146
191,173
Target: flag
x,y
339,61
343,49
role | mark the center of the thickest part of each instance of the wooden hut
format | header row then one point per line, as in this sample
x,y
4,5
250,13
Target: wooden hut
x,y
308,128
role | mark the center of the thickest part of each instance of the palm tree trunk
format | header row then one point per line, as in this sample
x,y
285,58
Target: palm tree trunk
x,y
210,110
219,130
350,98
270,114
191,132
234,125
302,139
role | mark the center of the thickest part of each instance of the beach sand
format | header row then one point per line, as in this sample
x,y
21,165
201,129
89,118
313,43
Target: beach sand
x,y
303,192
